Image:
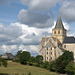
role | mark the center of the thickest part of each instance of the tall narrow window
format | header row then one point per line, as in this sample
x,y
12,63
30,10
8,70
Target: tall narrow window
x,y
47,53
55,32
51,48
47,48
51,58
64,46
58,32
51,53
47,58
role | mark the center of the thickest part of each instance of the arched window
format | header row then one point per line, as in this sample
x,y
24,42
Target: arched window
x,y
51,58
47,53
64,46
55,32
51,53
47,58
58,32
47,48
51,48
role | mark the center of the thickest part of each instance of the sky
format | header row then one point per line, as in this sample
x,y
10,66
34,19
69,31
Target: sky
x,y
23,23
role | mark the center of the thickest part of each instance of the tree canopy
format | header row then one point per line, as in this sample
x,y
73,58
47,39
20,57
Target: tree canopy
x,y
24,57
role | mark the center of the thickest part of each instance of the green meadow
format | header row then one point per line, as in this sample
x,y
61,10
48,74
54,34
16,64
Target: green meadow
x,y
18,69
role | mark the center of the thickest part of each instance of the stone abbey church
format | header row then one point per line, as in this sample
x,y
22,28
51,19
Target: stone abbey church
x,y
54,46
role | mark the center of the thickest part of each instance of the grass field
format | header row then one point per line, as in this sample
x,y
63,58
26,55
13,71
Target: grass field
x,y
16,68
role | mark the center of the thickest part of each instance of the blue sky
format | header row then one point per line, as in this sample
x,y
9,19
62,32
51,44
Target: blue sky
x,y
24,22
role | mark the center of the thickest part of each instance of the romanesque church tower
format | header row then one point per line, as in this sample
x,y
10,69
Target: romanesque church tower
x,y
52,47
59,31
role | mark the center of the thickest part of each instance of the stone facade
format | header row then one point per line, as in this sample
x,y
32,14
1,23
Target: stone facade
x,y
54,46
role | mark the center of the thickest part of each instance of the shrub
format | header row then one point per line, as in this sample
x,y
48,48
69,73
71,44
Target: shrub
x,y
46,65
63,60
39,59
24,57
52,66
5,63
70,68
31,61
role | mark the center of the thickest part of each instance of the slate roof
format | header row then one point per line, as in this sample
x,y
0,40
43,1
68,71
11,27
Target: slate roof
x,y
69,40
59,23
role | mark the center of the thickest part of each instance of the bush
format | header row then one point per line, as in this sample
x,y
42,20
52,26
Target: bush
x,y
63,60
39,59
24,57
52,66
31,61
70,68
46,65
3,62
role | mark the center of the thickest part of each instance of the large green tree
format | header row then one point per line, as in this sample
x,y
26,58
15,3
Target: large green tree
x,y
24,57
63,60
39,59
31,60
70,68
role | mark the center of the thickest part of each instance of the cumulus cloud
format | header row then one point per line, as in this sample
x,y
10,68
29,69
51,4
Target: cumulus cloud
x,y
40,4
39,13
35,19
33,49
19,36
67,10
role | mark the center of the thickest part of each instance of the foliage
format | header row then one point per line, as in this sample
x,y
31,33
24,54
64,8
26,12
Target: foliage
x,y
24,57
46,65
70,68
52,66
31,60
63,60
17,59
3,62
18,54
39,59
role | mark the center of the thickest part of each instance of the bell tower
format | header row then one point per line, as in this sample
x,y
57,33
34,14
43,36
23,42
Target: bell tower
x,y
59,31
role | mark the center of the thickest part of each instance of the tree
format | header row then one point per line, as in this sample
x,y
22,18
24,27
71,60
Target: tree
x,y
24,57
39,59
18,56
46,65
3,62
52,66
31,60
70,68
63,60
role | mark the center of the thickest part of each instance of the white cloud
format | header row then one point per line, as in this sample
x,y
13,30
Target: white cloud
x,y
40,4
33,49
19,36
67,10
35,19
39,13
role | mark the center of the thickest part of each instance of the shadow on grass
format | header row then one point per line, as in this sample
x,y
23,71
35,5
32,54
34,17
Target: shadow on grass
x,y
4,74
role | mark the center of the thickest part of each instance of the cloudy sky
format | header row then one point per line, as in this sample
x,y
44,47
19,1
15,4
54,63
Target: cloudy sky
x,y
23,23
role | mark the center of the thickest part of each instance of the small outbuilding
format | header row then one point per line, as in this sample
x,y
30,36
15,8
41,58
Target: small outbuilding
x,y
8,56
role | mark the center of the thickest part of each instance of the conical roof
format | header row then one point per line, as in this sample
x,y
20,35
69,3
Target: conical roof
x,y
59,23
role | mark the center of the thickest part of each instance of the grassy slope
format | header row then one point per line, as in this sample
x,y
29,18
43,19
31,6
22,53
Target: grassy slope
x,y
20,69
